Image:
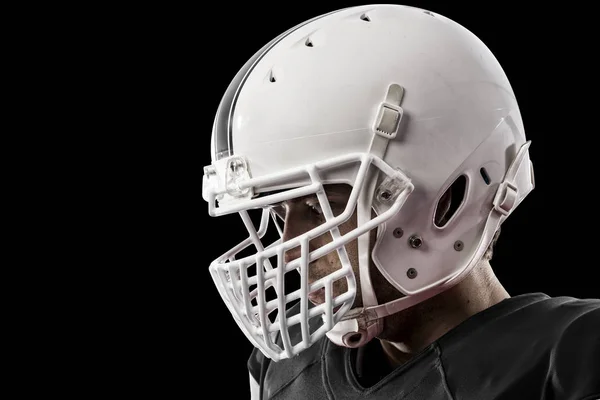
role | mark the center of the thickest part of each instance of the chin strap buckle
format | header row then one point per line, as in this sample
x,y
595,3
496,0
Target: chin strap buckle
x,y
387,121
506,198
508,195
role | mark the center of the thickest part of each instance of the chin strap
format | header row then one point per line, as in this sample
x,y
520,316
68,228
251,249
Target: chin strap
x,y
360,325
356,329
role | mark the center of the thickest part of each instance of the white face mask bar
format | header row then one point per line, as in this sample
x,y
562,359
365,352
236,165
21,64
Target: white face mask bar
x,y
244,284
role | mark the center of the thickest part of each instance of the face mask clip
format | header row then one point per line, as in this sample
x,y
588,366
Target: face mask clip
x,y
226,178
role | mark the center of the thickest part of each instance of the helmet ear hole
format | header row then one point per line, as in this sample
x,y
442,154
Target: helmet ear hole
x,y
450,202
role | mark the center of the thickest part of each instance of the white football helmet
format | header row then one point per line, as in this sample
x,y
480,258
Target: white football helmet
x,y
401,104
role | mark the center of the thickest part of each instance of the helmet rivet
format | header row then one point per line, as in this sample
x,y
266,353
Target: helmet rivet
x,y
411,273
458,245
415,241
398,232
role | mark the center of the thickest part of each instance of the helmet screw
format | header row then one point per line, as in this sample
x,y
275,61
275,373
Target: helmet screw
x,y
458,245
398,232
385,195
415,241
411,273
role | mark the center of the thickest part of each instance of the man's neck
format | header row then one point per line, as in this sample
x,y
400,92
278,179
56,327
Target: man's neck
x,y
417,327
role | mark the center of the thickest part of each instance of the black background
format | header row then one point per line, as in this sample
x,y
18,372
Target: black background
x,y
548,245
114,107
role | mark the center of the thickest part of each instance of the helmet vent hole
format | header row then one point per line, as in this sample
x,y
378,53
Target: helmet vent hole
x,y
485,176
365,17
272,77
429,13
308,43
450,202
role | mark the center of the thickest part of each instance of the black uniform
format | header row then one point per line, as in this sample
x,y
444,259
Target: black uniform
x,y
525,347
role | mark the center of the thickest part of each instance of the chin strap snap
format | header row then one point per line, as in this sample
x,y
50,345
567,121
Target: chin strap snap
x,y
357,328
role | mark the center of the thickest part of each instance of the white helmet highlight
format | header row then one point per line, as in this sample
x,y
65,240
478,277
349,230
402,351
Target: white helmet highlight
x,y
400,103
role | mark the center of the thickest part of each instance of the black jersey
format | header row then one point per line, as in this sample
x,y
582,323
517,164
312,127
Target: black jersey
x,y
526,347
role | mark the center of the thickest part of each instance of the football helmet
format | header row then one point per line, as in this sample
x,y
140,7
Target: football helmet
x,y
400,103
